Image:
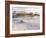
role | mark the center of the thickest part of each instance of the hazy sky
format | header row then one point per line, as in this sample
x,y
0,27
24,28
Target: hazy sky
x,y
28,9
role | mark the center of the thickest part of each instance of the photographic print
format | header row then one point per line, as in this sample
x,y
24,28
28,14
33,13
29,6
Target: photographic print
x,y
24,18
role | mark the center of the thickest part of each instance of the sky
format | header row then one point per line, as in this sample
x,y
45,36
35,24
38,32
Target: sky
x,y
28,9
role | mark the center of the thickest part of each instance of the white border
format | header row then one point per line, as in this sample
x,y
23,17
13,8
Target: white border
x,y
20,32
